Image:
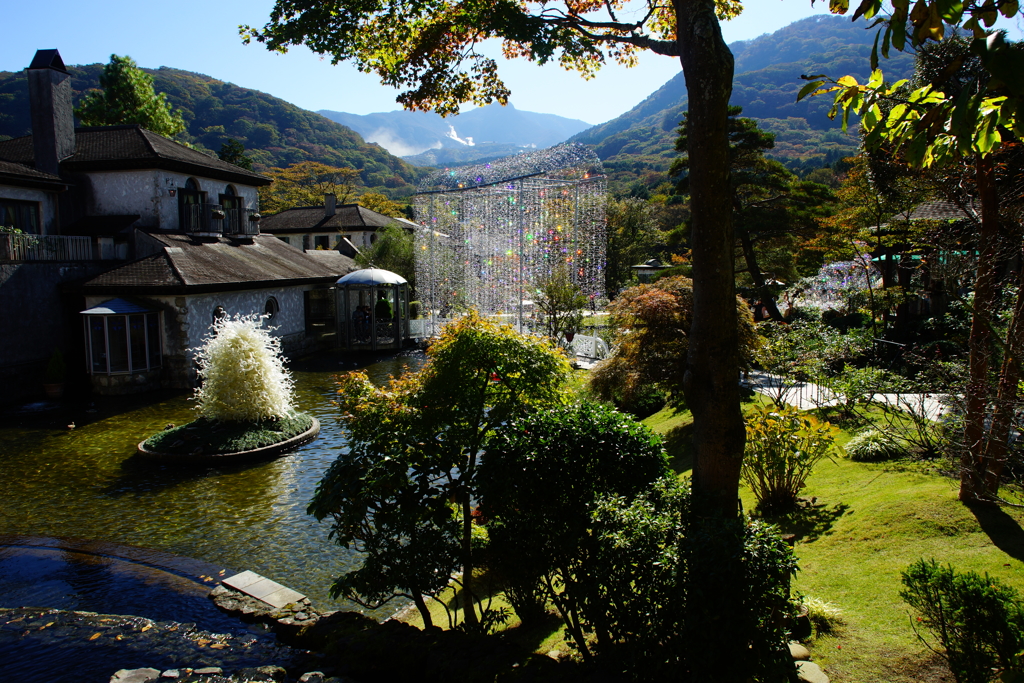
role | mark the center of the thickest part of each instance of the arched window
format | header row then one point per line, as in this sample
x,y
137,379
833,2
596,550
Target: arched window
x,y
190,200
233,206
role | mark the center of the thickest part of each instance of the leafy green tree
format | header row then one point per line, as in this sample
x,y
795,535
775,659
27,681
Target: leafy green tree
x,y
654,324
305,184
561,302
963,111
633,238
404,494
128,97
233,152
394,250
375,201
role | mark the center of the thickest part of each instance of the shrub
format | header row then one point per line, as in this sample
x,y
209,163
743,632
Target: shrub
x,y
783,446
977,619
874,446
582,505
539,480
244,378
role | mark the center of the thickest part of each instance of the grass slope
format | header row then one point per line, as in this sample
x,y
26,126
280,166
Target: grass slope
x,y
866,524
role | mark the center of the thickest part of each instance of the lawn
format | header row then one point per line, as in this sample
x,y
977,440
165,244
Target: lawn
x,y
861,525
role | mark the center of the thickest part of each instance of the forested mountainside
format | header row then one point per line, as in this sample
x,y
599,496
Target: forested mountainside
x,y
640,144
275,133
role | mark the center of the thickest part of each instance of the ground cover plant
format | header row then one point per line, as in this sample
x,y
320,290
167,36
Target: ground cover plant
x,y
212,436
858,527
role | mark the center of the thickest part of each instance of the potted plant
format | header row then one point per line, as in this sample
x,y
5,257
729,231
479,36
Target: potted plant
x,y
55,374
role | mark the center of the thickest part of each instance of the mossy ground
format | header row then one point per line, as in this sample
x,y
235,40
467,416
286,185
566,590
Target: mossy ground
x,y
213,436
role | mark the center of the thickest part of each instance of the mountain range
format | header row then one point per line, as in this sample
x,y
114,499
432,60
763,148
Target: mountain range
x,y
640,144
427,139
275,133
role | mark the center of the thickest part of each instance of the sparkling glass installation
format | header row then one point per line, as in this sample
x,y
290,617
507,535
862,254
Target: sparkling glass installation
x,y
492,232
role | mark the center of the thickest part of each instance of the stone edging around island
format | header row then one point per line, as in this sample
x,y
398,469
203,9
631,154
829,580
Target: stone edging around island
x,y
263,452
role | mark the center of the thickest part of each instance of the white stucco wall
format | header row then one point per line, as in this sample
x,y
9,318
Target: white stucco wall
x,y
47,202
147,193
290,319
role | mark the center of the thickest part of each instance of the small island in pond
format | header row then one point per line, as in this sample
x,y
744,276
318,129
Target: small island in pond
x,y
245,401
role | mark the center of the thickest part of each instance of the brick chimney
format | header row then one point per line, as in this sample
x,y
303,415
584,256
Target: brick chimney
x,y
330,205
53,119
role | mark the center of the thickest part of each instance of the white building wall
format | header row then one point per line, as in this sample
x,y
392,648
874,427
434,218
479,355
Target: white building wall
x,y
289,321
148,194
47,202
187,319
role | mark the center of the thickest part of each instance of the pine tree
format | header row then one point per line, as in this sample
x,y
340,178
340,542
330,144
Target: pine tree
x,y
128,97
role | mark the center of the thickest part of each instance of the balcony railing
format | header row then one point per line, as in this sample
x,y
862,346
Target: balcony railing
x,y
241,222
46,248
202,219
213,219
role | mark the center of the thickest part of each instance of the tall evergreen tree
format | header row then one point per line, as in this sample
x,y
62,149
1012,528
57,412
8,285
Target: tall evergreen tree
x,y
772,208
128,97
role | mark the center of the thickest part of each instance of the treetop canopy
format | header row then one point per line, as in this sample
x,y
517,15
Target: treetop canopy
x,y
431,46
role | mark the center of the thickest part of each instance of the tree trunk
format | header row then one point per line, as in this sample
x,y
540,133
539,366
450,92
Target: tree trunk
x,y
1006,400
973,463
712,364
714,603
424,611
750,256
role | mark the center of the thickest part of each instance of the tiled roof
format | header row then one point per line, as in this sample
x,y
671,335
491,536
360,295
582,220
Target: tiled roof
x,y
312,219
12,173
188,265
117,148
336,261
939,210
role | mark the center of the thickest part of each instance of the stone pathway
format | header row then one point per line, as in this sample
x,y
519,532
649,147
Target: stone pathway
x,y
807,396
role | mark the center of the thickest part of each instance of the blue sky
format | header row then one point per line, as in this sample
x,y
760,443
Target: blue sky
x,y
203,37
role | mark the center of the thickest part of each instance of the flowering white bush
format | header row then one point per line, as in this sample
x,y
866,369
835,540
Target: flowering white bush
x,y
244,378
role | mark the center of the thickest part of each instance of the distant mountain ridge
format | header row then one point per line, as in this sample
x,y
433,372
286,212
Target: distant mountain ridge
x,y
425,138
640,144
275,133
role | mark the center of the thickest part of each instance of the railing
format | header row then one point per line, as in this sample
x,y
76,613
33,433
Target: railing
x,y
241,222
589,348
202,218
46,248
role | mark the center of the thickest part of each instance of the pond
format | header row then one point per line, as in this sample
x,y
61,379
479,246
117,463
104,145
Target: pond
x,y
70,472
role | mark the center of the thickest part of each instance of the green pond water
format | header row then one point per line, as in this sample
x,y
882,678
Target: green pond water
x,y
87,483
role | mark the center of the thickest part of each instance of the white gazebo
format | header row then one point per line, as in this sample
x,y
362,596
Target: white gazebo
x,y
373,310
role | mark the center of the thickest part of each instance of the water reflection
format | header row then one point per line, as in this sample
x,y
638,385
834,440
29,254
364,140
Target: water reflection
x,y
84,482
